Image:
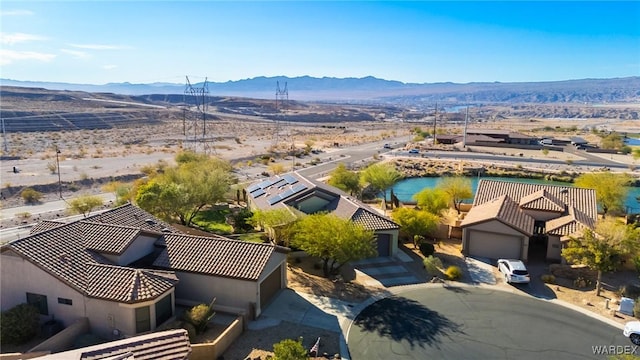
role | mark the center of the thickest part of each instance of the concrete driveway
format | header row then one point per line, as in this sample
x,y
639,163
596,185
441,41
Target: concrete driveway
x,y
468,322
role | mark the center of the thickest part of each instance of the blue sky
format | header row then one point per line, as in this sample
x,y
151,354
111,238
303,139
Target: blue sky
x,y
96,42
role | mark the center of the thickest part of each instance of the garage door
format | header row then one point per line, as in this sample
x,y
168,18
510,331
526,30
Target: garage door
x,y
269,287
384,245
494,246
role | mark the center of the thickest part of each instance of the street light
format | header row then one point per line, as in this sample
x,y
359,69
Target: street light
x,y
58,164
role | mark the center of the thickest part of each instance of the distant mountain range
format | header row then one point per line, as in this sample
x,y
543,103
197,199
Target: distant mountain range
x,y
371,89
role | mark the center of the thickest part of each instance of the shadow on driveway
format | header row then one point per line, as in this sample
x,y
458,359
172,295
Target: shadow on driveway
x,y
404,319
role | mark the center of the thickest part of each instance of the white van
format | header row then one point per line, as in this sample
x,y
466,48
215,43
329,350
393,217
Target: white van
x,y
546,142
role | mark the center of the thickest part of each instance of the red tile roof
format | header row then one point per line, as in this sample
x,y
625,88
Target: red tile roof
x,y
504,210
110,239
127,285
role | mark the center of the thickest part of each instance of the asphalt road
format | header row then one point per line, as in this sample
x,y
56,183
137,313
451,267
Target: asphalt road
x,y
478,323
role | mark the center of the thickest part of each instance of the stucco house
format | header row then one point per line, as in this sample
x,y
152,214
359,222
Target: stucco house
x,y
125,270
524,221
297,193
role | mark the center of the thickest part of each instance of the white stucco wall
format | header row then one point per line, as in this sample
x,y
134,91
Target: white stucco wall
x,y
554,248
20,276
140,247
228,292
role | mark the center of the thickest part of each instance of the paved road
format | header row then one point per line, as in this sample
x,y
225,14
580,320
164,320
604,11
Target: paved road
x,y
476,323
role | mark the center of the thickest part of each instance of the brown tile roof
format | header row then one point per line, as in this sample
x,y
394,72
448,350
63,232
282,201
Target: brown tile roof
x,y
110,239
133,216
569,224
582,199
347,208
45,225
127,285
502,209
69,253
161,345
218,256
542,200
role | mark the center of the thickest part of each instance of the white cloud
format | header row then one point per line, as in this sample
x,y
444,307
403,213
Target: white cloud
x,y
109,67
99,46
17,12
10,56
76,53
11,39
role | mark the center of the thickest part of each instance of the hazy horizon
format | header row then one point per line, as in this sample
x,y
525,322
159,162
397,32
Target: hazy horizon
x,y
143,42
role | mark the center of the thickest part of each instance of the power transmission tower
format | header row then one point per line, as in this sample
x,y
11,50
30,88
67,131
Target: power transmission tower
x,y
282,97
198,96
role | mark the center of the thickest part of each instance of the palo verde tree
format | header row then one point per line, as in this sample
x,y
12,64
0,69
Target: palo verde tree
x,y
181,191
433,200
414,222
334,240
84,204
380,176
611,189
603,249
457,188
345,180
275,222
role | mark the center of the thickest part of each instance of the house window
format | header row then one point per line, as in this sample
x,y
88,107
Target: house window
x,y
39,301
164,310
65,301
143,320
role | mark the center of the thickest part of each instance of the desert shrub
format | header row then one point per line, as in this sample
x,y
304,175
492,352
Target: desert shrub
x,y
548,279
199,316
453,272
19,324
289,349
241,220
30,195
630,291
581,282
432,264
427,249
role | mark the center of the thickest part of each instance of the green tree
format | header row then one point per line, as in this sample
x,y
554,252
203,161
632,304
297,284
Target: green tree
x,y
334,240
380,176
289,349
433,200
611,189
180,192
636,153
345,180
84,204
275,223
123,192
612,141
457,188
602,249
415,222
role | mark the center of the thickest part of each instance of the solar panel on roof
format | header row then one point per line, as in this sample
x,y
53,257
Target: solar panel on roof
x,y
274,199
285,194
279,183
258,193
289,178
253,188
296,189
264,184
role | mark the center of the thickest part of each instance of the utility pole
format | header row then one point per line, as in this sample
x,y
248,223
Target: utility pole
x,y
58,165
435,119
4,135
466,122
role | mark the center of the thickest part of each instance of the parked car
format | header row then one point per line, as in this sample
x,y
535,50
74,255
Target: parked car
x,y
414,151
514,271
632,331
387,146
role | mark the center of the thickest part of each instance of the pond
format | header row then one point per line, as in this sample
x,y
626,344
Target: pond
x,y
406,188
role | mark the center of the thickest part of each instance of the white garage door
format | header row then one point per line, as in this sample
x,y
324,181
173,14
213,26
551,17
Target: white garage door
x,y
494,246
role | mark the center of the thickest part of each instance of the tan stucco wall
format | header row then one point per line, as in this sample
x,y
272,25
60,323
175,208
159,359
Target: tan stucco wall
x,y
20,276
554,252
276,260
228,292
